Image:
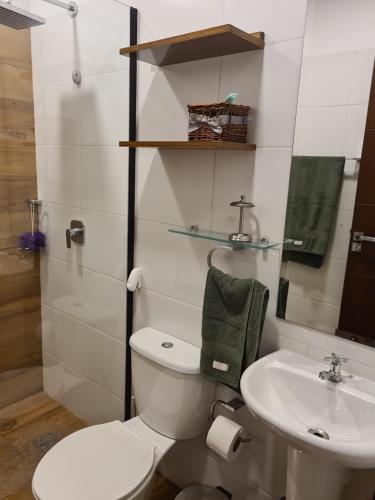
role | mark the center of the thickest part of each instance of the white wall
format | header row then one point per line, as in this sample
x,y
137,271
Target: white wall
x,y
82,174
173,188
181,188
331,118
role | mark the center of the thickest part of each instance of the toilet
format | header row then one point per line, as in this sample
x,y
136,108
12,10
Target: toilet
x,y
117,460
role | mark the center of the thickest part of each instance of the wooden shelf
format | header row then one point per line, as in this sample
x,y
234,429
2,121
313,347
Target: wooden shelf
x,y
192,145
212,42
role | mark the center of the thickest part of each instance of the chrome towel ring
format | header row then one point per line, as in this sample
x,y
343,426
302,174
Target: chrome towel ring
x,y
222,247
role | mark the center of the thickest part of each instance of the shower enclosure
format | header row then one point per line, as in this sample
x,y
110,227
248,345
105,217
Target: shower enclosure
x,y
20,318
62,310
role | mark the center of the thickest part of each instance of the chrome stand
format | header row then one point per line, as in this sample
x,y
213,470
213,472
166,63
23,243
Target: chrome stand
x,y
241,204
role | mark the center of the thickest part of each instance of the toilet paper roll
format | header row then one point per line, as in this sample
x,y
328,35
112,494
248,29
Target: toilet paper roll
x,y
222,438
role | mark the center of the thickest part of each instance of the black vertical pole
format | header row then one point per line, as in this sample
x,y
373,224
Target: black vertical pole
x,y
131,203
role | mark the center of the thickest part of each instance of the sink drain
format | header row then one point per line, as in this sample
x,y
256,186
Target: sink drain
x,y
320,433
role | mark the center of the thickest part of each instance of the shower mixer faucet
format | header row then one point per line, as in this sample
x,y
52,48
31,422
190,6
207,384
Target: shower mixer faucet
x,y
75,233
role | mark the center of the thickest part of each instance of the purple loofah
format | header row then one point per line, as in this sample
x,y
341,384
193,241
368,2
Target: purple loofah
x,y
32,241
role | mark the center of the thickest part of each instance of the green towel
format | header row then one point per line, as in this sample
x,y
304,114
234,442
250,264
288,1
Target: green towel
x,y
282,297
314,187
233,317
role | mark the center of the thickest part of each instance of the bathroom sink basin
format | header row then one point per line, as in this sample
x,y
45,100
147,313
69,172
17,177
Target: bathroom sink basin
x,y
284,390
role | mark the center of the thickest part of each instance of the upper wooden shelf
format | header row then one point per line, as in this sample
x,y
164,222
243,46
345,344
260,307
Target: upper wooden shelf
x,y
212,42
192,145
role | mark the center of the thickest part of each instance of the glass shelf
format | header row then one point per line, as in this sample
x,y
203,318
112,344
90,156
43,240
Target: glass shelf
x,y
223,238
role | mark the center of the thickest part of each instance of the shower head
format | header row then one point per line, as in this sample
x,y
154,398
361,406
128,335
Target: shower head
x,y
17,18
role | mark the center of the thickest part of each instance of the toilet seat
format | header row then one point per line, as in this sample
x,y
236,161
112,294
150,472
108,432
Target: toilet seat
x,y
106,461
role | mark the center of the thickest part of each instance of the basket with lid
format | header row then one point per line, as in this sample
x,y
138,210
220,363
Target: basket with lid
x,y
221,121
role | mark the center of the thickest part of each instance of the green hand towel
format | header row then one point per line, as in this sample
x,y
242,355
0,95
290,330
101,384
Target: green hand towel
x,y
233,316
314,188
282,297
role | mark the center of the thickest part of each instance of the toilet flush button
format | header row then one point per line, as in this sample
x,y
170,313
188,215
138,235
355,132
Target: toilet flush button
x,y
167,345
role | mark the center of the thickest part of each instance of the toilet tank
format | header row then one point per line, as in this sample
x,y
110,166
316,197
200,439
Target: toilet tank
x,y
171,395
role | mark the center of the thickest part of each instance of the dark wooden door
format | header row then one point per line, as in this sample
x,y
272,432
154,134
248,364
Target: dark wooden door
x,y
357,315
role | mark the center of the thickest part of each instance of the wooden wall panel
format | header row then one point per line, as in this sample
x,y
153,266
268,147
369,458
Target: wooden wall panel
x,y
20,322
15,44
20,340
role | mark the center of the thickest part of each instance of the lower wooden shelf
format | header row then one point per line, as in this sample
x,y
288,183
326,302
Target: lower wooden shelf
x,y
192,145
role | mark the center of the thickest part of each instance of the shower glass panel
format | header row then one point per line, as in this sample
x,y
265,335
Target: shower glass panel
x,y
20,319
64,332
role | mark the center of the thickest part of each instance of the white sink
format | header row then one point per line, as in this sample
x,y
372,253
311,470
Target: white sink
x,y
284,390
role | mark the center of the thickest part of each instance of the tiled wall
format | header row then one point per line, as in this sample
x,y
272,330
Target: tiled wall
x,y
77,130
181,188
82,174
331,116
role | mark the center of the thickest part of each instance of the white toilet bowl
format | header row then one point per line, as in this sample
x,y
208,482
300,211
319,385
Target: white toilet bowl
x,y
117,461
109,461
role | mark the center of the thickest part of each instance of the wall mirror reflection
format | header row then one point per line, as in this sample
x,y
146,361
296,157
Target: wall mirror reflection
x,y
328,261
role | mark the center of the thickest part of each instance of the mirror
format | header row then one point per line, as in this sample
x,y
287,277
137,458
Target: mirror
x,y
328,262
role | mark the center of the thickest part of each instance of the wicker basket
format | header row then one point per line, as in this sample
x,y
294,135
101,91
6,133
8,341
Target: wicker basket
x,y
218,122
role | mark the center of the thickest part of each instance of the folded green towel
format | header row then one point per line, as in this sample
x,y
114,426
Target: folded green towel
x,y
314,187
282,297
233,316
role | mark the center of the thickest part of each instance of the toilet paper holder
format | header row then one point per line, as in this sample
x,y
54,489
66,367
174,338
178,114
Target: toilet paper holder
x,y
232,406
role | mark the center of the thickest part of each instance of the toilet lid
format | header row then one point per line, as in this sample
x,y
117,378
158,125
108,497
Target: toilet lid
x,y
105,461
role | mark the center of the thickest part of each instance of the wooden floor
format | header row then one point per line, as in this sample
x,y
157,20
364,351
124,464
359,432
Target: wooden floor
x,y
164,489
28,429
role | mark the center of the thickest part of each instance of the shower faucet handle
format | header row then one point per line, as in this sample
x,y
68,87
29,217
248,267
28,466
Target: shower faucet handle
x,y
75,233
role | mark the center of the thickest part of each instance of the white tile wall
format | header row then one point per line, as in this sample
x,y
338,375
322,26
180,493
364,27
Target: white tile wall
x,y
85,349
169,315
103,111
324,284
75,390
169,180
104,250
253,76
82,174
156,20
168,193
59,113
90,43
362,73
326,79
251,176
61,173
321,131
172,265
164,95
280,21
106,190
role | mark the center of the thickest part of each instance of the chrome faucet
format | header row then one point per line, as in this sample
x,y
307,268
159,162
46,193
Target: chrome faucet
x,y
334,373
75,233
